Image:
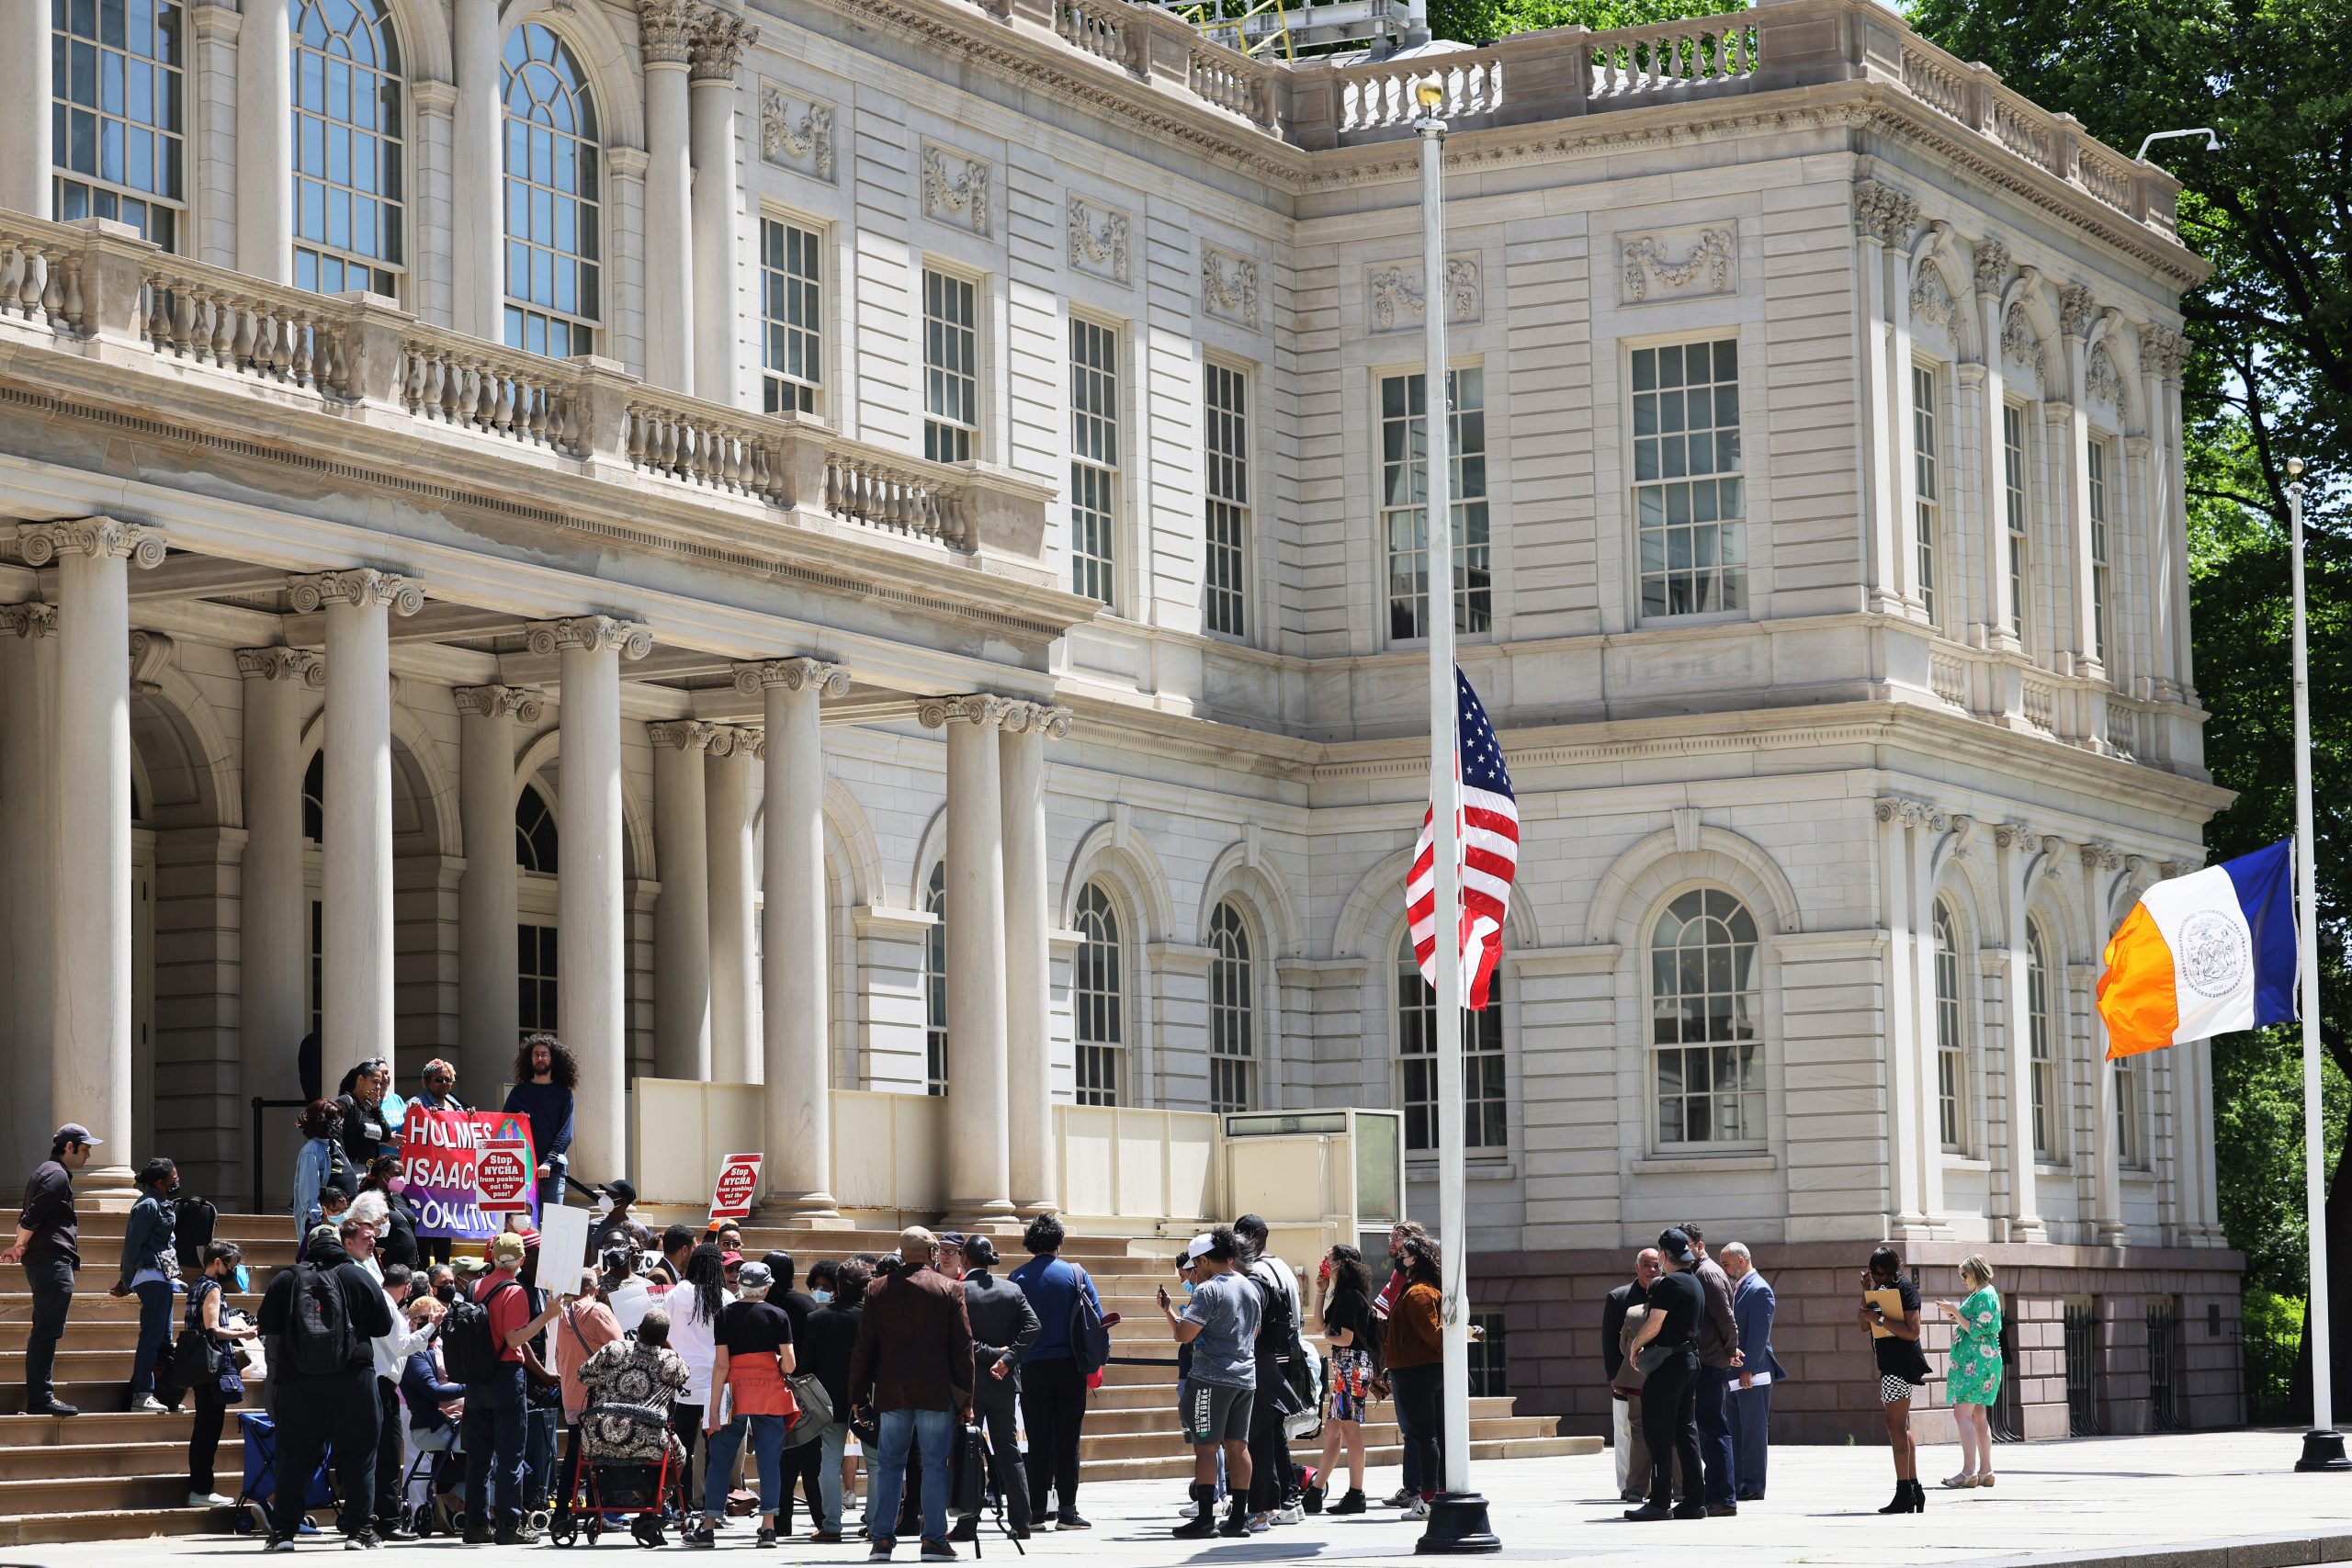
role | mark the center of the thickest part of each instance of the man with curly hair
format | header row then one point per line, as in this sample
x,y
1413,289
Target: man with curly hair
x,y
546,1072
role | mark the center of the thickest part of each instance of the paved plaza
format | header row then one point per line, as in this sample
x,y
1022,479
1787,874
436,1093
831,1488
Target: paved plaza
x,y
2093,1500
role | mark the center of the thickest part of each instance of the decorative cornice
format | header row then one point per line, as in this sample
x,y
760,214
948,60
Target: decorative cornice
x,y
665,30
720,40
977,707
1992,267
2075,309
591,634
685,734
1911,813
363,586
40,543
793,675
525,703
293,664
29,620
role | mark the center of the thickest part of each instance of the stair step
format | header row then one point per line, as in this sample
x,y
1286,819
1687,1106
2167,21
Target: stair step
x,y
52,1528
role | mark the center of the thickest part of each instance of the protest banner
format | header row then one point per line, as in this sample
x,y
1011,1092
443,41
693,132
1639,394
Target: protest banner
x,y
440,1153
737,1184
505,1180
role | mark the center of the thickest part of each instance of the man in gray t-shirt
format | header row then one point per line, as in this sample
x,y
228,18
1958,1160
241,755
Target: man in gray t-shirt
x,y
1218,1330
1225,1351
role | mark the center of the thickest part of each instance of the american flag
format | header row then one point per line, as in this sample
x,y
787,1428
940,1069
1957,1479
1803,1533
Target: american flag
x,y
1489,854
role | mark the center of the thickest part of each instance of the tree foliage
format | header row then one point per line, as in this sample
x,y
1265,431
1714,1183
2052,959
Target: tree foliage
x,y
1483,21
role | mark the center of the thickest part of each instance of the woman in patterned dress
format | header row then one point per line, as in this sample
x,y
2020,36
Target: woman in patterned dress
x,y
1973,1378
1347,1327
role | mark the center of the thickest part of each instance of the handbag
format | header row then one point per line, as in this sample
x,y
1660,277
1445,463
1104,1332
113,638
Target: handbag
x,y
1653,1356
195,1360
816,1411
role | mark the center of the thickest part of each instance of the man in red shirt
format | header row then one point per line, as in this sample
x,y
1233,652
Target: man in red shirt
x,y
494,1410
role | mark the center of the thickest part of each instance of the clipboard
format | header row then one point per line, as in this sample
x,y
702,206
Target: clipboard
x,y
1888,1301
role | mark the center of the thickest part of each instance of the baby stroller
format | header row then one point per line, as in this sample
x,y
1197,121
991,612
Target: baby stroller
x,y
624,1482
260,1435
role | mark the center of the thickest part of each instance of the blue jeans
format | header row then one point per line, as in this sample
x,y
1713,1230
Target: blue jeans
x,y
935,1430
154,1335
833,1442
719,1463
1715,1436
493,1442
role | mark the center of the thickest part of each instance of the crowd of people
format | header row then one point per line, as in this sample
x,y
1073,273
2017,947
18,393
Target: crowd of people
x,y
416,1374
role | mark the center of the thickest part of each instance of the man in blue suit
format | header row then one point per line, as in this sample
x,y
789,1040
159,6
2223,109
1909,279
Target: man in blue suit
x,y
1752,1305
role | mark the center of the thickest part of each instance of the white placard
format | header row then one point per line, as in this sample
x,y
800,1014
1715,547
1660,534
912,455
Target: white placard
x,y
563,1247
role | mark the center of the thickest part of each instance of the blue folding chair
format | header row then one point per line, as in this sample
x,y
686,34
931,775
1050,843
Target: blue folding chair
x,y
260,1435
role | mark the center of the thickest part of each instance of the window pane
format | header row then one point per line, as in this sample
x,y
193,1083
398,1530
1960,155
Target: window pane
x,y
1691,537
1704,992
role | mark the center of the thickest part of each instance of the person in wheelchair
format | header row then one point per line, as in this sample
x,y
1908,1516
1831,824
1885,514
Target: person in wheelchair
x,y
625,1431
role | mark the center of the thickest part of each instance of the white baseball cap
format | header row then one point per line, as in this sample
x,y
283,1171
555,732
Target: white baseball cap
x,y
1199,1248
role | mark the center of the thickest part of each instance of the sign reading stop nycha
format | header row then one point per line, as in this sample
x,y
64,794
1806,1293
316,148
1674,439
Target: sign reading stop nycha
x,y
737,1184
504,1171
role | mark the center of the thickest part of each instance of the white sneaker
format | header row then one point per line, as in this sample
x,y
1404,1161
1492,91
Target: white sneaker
x,y
1420,1510
1190,1510
1289,1514
209,1500
154,1406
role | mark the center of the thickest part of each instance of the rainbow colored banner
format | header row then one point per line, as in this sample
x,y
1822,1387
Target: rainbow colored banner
x,y
438,1149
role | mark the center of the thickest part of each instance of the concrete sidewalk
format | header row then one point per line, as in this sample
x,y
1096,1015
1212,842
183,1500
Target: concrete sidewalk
x,y
2200,1500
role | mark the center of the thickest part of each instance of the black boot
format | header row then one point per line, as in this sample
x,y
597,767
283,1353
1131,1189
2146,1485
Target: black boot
x,y
1312,1499
1203,1524
1351,1503
1919,1498
1902,1504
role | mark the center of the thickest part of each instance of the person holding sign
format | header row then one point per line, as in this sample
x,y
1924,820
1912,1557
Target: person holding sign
x,y
546,1072
1890,1310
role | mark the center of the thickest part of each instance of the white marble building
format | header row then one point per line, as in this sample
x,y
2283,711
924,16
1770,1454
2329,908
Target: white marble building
x,y
974,517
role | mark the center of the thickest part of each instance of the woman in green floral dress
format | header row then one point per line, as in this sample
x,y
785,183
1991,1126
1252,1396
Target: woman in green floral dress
x,y
1973,1378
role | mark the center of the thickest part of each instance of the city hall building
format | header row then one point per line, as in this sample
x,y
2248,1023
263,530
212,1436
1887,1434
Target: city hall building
x,y
874,544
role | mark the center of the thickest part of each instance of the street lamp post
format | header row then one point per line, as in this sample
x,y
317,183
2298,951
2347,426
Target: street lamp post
x,y
2323,1445
1458,1518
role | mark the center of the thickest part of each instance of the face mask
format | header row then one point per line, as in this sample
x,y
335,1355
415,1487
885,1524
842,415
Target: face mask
x,y
397,1184
822,1298
447,1292
1188,1286
244,1280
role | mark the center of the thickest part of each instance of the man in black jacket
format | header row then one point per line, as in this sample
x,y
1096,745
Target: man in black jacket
x,y
48,1244
800,1462
1004,1327
1633,1459
315,1410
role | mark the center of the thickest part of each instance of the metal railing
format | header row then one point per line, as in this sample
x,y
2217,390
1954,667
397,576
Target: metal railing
x,y
2084,1418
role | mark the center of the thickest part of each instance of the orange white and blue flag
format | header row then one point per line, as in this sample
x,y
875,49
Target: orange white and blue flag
x,y
2203,955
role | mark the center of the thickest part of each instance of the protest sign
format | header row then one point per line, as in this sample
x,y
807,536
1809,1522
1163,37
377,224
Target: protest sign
x,y
504,1174
440,1153
737,1184
563,1244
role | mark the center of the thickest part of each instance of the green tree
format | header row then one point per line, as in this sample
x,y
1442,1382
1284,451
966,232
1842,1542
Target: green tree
x,y
1483,21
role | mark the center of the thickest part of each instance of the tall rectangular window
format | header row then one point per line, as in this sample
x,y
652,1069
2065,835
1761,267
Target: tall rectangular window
x,y
1484,1108
1951,1059
118,117
535,977
2041,1047
792,300
1093,456
1690,503
951,368
2097,456
1927,516
1224,406
2013,479
1404,501
318,963
2128,1091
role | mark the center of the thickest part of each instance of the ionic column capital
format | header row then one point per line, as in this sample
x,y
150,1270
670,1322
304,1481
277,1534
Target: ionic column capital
x,y
1911,813
292,664
40,543
737,740
592,634
685,734
364,587
1044,718
793,675
977,707
525,703
29,620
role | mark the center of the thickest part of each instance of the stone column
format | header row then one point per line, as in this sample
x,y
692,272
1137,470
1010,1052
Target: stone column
x,y
1903,1126
265,142
1930,825
665,30
355,981
487,1015
2163,353
591,944
273,938
27,157
2002,633
2024,855
477,211
718,43
90,1053
28,861
734,883
979,1176
2076,311
1029,1120
2106,1219
795,951
1884,217
681,916
433,165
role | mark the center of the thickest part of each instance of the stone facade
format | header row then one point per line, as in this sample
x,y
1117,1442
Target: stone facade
x,y
993,449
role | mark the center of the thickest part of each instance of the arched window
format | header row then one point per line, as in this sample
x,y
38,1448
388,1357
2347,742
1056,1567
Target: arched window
x,y
120,112
1098,998
935,983
349,174
2041,1043
535,834
1484,1121
1233,1013
1706,998
1951,1060
554,243
314,796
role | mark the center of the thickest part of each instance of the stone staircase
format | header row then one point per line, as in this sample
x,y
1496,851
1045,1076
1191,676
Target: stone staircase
x,y
112,1473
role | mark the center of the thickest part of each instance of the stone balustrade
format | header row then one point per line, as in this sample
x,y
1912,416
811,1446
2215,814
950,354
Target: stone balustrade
x,y
1671,57
95,289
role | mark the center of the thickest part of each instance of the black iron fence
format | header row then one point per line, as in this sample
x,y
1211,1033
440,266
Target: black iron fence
x,y
2167,1410
2082,1416
2007,1414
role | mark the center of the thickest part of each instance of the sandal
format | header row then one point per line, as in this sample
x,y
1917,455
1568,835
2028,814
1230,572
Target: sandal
x,y
1964,1480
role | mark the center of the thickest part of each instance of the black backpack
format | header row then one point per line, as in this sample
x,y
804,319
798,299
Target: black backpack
x,y
468,1348
319,1334
193,1220
1283,1372
1089,1332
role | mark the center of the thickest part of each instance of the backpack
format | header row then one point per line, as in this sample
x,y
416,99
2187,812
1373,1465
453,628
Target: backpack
x,y
319,1334
193,1220
1090,1334
468,1348
1292,1384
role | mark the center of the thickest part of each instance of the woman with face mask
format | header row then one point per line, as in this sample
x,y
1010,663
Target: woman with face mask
x,y
396,1242
224,1265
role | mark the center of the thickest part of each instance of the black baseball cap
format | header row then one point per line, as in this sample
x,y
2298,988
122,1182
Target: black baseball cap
x,y
1676,1244
75,1133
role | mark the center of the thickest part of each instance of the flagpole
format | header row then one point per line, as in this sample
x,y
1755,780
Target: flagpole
x,y
2323,1445
1458,1520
